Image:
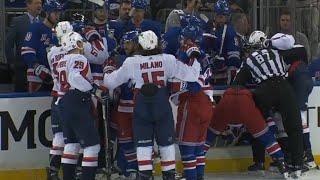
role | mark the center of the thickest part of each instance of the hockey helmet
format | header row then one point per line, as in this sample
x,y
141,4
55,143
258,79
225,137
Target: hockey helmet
x,y
221,7
192,32
70,41
63,28
256,38
148,40
52,6
130,36
139,4
190,20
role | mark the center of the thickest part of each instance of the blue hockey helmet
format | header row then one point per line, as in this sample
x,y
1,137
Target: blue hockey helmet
x,y
190,20
139,4
78,22
52,6
192,32
221,7
130,36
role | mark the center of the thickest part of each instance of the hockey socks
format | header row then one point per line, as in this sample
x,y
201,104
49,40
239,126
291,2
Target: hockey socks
x,y
189,161
201,161
211,136
130,155
56,152
193,160
269,141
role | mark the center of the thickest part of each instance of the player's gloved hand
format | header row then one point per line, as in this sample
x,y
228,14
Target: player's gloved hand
x,y
91,34
108,69
193,87
267,43
219,64
99,92
43,72
193,52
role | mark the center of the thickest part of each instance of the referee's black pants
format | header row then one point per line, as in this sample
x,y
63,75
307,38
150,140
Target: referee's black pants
x,y
278,93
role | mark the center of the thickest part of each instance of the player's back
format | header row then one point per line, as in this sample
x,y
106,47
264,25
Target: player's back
x,y
157,69
54,56
73,64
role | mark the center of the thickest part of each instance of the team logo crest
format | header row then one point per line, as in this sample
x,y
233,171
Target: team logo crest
x,y
236,41
28,36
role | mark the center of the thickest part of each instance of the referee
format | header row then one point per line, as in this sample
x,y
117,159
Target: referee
x,y
265,66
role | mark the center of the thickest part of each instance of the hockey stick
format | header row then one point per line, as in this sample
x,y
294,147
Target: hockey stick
x,y
223,37
99,2
106,110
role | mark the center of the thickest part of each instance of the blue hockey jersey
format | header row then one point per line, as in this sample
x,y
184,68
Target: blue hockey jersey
x,y
112,29
170,40
38,38
231,49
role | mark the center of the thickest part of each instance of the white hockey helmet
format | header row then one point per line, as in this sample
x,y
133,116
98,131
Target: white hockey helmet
x,y
63,28
70,41
257,38
148,40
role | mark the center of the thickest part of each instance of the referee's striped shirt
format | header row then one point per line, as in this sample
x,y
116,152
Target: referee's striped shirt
x,y
265,64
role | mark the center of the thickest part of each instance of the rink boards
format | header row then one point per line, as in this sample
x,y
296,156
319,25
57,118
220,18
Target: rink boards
x,y
26,136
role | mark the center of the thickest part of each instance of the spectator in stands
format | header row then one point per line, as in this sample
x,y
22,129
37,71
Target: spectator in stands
x,y
287,28
240,23
157,5
124,10
15,37
139,22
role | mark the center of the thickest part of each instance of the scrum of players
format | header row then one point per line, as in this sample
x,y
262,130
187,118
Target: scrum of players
x,y
142,72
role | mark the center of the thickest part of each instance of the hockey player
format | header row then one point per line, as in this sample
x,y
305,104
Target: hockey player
x,y
138,22
78,121
302,84
266,67
190,118
54,56
150,72
171,39
34,50
239,101
124,112
106,28
226,46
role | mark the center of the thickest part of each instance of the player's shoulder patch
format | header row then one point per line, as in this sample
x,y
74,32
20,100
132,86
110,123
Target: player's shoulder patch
x,y
28,36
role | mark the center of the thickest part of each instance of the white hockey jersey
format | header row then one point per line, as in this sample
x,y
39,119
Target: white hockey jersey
x,y
96,52
54,55
74,73
155,69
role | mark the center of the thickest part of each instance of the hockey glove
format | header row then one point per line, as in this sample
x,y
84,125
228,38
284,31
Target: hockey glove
x,y
99,92
43,72
91,34
193,87
219,64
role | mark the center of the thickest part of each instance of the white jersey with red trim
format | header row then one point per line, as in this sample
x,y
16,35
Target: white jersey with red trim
x,y
155,69
97,53
54,55
74,73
